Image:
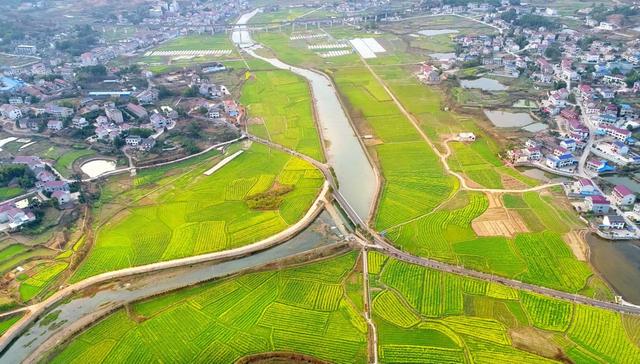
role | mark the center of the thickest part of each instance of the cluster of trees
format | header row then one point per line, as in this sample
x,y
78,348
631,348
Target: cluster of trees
x,y
269,200
17,173
533,21
85,38
601,12
553,52
92,73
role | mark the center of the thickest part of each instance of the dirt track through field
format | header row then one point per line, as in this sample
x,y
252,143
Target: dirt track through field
x,y
497,220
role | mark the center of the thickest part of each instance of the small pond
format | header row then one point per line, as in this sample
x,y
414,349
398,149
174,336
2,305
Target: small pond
x,y
535,127
433,32
624,180
483,83
442,56
98,167
505,119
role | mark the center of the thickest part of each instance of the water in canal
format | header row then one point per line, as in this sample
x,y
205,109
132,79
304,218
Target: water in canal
x,y
316,235
356,177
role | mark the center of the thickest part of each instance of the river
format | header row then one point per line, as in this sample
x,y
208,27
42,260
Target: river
x,y
356,177
318,234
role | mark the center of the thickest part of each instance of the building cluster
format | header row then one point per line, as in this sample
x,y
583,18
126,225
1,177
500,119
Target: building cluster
x,y
47,181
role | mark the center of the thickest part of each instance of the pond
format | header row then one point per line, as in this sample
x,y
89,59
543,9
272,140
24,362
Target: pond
x,y
619,264
505,119
433,32
98,167
483,83
624,180
535,127
442,56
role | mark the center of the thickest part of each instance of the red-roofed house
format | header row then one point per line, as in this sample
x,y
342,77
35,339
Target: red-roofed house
x,y
622,196
597,204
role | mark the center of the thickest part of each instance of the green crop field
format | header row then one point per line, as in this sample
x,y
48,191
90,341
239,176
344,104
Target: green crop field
x,y
42,277
539,257
9,192
424,315
6,323
64,164
197,42
303,310
196,214
281,103
415,181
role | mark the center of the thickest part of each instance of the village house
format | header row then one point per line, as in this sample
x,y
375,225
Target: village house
x,y
12,217
10,111
146,144
613,222
63,197
137,110
158,121
618,133
79,122
560,161
132,140
148,96
58,111
52,186
597,204
622,196
35,164
114,115
429,74
55,125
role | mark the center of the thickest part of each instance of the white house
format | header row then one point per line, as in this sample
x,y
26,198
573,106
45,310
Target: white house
x,y
10,111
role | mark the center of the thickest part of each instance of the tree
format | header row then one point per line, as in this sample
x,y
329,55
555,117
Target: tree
x,y
191,91
193,130
553,52
559,84
509,16
118,142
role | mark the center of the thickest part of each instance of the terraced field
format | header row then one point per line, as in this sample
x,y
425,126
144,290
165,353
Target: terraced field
x,y
539,257
195,214
424,315
285,116
303,310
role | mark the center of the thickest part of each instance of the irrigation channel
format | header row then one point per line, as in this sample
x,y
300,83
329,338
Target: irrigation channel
x,y
39,336
357,179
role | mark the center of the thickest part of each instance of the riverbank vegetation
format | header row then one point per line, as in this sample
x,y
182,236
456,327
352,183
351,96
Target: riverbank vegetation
x,y
192,213
281,110
303,310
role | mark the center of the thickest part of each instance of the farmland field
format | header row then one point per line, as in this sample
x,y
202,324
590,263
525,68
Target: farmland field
x,y
164,63
424,315
539,257
415,182
222,321
286,116
196,214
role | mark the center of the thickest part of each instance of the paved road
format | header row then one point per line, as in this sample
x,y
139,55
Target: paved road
x,y
389,250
